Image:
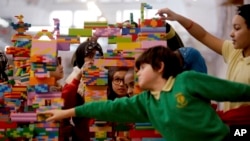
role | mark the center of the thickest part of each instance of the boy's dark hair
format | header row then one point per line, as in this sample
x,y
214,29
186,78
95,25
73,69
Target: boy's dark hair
x,y
85,49
244,11
111,71
155,55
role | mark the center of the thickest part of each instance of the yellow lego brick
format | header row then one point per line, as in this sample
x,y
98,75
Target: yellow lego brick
x,y
128,46
50,81
101,134
98,129
105,62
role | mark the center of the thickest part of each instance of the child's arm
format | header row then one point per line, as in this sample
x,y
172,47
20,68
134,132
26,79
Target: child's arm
x,y
213,88
120,110
69,93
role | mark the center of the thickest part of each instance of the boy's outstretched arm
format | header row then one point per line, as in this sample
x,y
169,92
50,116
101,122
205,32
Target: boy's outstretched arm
x,y
124,109
120,110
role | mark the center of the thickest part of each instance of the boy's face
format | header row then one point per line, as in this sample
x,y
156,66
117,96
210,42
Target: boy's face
x,y
147,76
129,82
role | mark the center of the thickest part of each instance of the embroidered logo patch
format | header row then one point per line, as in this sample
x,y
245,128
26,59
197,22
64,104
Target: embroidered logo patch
x,y
181,101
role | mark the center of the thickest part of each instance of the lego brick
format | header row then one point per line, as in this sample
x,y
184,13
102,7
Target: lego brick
x,y
43,47
23,117
96,81
41,88
101,134
144,134
128,46
105,62
95,24
44,33
16,37
12,95
152,36
5,125
69,39
19,88
80,32
153,29
126,31
5,88
34,81
100,128
107,32
23,44
154,22
149,44
23,52
119,39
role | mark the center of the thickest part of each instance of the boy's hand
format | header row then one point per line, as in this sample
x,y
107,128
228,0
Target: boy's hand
x,y
55,115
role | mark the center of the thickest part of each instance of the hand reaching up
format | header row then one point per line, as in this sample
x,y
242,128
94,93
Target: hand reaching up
x,y
87,64
167,14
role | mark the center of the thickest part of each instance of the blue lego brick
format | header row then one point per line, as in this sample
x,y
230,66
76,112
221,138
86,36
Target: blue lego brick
x,y
126,31
153,29
42,88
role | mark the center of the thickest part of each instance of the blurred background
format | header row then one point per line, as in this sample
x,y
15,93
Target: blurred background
x,y
214,15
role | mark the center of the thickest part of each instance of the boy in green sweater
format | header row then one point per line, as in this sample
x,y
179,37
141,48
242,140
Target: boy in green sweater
x,y
176,103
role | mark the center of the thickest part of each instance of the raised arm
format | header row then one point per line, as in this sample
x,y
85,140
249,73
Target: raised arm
x,y
194,29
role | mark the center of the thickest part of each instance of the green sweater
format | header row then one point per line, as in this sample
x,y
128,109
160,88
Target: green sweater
x,y
182,112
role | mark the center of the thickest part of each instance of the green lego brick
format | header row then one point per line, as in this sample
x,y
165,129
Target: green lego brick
x,y
80,32
114,40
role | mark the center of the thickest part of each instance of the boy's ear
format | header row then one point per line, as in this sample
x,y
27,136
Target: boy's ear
x,y
161,67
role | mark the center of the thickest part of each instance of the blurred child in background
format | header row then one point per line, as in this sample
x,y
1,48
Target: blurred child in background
x,y
129,81
58,75
3,67
73,92
116,85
